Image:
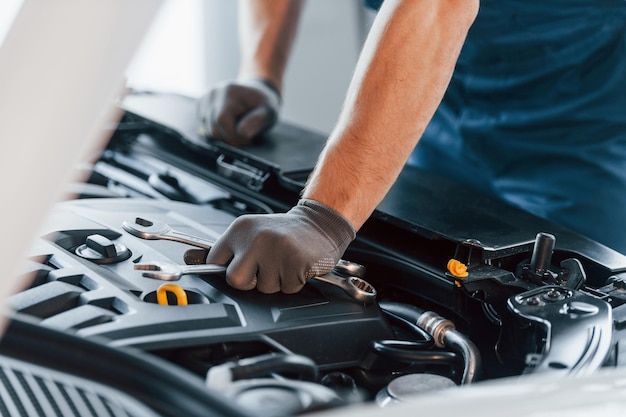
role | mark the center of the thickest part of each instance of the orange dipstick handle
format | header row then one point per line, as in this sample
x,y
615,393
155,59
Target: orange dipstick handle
x,y
458,269
181,296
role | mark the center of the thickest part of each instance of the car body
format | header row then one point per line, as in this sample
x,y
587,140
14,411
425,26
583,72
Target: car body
x,y
533,328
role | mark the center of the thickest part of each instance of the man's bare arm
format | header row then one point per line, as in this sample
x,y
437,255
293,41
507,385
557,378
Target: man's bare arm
x,y
401,76
237,111
400,79
267,29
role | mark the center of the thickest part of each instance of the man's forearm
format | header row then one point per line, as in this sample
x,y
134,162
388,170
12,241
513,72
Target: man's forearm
x,y
400,79
267,30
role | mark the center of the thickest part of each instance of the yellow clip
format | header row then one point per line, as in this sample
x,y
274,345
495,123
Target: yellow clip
x,y
458,269
181,296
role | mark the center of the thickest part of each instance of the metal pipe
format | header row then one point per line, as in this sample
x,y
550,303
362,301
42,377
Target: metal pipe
x,y
457,342
444,334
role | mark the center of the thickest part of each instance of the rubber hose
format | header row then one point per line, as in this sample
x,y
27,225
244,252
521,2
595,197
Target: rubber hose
x,y
453,339
426,341
262,365
409,352
470,353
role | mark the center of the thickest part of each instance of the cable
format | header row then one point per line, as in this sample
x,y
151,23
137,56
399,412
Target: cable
x,y
408,351
443,333
427,340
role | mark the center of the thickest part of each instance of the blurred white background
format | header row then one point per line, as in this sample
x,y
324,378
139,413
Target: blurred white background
x,y
8,10
66,60
193,44
62,66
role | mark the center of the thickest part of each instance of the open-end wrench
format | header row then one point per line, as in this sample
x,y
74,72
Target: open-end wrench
x,y
155,230
345,268
344,275
357,288
167,271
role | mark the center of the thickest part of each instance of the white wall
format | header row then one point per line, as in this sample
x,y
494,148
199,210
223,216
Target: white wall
x,y
170,57
324,57
193,44
8,11
61,68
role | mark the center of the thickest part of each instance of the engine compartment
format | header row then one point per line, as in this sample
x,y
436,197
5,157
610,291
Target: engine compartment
x,y
464,292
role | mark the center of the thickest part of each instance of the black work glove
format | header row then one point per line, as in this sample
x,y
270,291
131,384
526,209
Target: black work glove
x,y
280,252
237,112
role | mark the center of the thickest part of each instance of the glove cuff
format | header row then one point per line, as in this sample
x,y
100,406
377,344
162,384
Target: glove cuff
x,y
267,87
269,84
333,224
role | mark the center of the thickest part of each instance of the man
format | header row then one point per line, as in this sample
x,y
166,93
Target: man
x,y
534,114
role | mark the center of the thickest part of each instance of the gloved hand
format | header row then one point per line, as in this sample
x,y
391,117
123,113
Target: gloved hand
x,y
280,252
236,112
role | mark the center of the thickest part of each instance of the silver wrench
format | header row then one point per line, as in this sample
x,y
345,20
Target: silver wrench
x,y
167,271
155,230
345,278
346,275
357,288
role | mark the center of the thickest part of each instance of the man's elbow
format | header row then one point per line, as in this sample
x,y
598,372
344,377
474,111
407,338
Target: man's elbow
x,y
463,12
469,9
458,13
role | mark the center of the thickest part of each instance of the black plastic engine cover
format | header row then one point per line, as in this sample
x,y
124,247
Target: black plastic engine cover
x,y
115,302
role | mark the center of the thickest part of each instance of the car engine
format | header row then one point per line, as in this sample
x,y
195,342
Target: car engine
x,y
442,288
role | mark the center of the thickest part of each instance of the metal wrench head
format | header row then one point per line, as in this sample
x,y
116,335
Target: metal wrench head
x,y
167,271
160,270
349,268
364,288
146,229
360,290
357,288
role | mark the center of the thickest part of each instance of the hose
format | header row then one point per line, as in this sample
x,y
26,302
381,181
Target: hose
x,y
457,342
444,334
411,352
426,341
221,376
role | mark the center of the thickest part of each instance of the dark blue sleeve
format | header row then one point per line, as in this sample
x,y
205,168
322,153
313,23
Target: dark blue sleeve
x,y
373,4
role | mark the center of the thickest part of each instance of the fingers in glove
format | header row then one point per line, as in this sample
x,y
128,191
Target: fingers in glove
x,y
279,275
220,253
242,273
195,256
291,285
235,113
255,122
238,274
268,282
223,125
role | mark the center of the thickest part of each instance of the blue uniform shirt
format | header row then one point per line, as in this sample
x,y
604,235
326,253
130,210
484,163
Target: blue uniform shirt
x,y
536,113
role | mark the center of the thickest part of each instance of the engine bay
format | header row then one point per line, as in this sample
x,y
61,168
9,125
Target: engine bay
x,y
465,291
